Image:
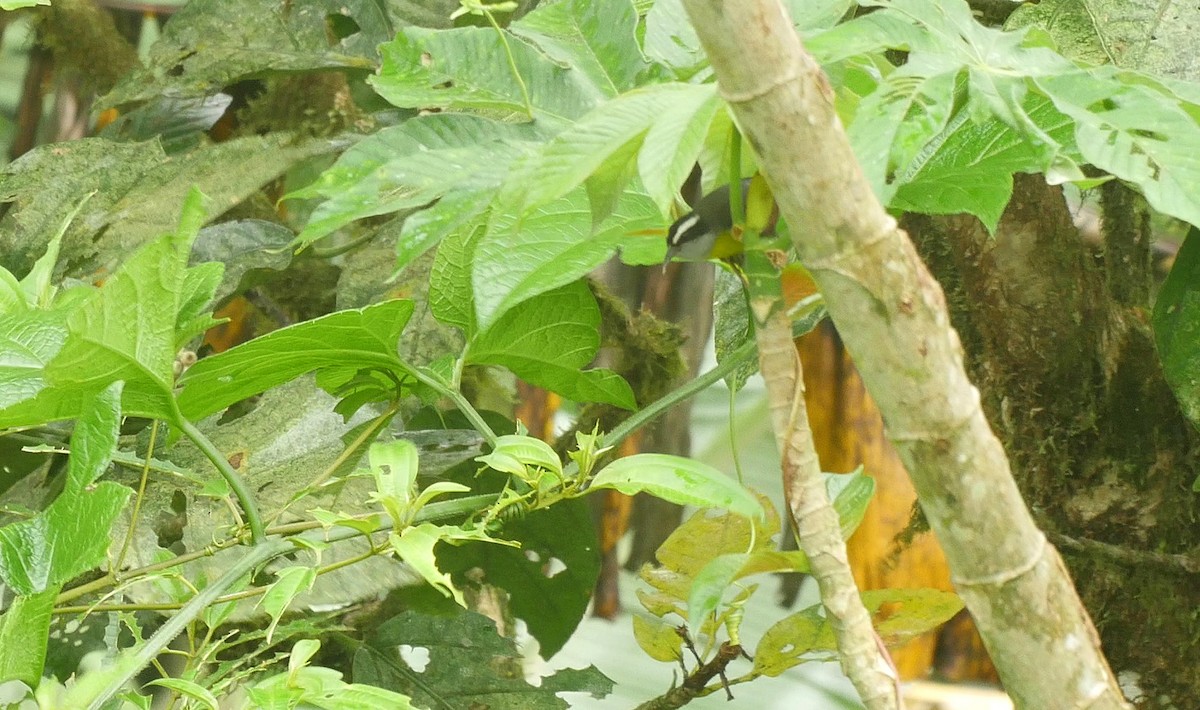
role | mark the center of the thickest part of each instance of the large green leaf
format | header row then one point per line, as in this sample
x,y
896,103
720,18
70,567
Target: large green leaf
x,y
71,536
595,37
948,51
412,164
469,666
1135,132
126,330
138,192
547,340
969,166
212,44
678,480
899,615
521,256
549,579
1177,326
366,337
478,69
573,155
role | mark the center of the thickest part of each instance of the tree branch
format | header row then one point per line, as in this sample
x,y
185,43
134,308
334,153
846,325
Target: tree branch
x,y
892,316
816,522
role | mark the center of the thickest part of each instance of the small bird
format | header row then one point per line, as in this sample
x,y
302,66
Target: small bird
x,y
707,231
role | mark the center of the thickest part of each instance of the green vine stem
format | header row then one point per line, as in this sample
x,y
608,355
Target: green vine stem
x,y
236,484
136,659
441,510
806,315
460,402
645,415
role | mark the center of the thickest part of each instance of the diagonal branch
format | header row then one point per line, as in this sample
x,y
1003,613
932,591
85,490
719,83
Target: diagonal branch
x,y
892,316
816,522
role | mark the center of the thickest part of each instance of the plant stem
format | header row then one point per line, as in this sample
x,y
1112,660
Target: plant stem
x,y
141,493
434,511
744,353
512,62
460,402
134,660
249,506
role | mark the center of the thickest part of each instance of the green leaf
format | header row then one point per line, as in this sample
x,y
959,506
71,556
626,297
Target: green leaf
x,y
456,212
969,167
469,664
242,246
451,296
704,536
851,493
673,144
187,688
571,156
547,340
593,37
678,480
28,342
525,451
791,640
415,547
903,98
126,330
659,639
211,44
289,583
711,584
24,633
898,615
365,337
394,466
413,164
732,326
551,577
1176,323
945,43
1136,133
522,256
671,41
72,535
472,69
196,296
37,284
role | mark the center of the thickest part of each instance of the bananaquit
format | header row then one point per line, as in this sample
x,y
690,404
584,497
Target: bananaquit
x,y
706,231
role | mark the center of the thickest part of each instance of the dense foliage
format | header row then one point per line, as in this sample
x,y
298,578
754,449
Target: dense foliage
x,y
434,199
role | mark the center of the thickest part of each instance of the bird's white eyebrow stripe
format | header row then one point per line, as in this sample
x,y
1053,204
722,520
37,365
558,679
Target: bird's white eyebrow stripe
x,y
683,226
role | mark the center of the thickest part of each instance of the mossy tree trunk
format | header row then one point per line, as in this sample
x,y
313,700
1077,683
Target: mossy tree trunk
x,y
1057,335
